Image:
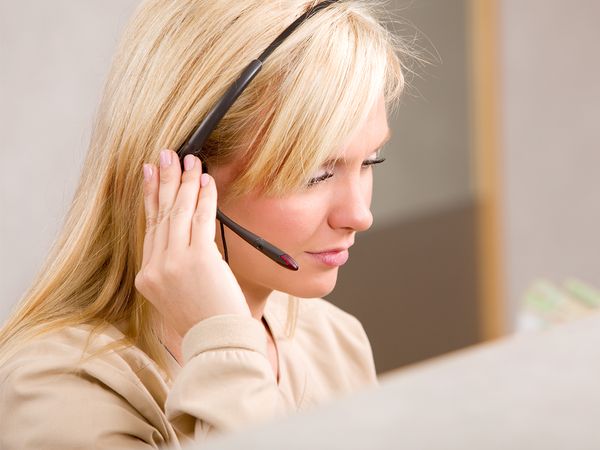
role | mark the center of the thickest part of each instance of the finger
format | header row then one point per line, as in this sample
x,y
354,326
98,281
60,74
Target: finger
x,y
170,179
180,227
150,208
203,221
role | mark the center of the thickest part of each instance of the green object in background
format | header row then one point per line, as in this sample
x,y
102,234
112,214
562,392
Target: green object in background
x,y
541,296
546,304
583,292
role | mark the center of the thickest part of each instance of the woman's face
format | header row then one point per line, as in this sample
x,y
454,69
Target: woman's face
x,y
324,216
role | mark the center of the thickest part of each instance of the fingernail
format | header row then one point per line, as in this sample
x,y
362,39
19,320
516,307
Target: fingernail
x,y
204,179
165,158
147,172
188,162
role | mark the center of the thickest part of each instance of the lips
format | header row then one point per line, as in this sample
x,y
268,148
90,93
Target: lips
x,y
333,258
332,250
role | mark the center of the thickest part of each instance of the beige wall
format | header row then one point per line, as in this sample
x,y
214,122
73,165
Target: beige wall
x,y
551,135
428,168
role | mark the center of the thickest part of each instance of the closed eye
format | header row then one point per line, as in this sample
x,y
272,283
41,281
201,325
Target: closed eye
x,y
370,162
329,174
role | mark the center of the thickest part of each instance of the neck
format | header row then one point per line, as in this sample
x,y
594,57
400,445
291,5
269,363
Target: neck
x,y
256,297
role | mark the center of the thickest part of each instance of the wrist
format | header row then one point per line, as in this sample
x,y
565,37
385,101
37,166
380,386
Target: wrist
x,y
188,321
225,331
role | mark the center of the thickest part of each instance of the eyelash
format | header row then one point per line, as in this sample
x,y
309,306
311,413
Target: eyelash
x,y
327,175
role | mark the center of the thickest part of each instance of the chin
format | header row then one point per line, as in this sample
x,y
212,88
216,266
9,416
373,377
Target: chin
x,y
314,286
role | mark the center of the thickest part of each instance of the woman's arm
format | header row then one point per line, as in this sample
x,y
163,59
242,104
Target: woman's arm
x,y
227,381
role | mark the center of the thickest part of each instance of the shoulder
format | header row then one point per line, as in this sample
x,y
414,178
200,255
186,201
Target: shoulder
x,y
76,349
73,397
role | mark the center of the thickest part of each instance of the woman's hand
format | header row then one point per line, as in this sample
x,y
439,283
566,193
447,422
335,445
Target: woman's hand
x,y
183,273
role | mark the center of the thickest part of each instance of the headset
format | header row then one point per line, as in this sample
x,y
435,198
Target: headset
x,y
193,144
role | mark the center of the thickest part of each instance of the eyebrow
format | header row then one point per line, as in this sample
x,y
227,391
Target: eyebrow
x,y
335,161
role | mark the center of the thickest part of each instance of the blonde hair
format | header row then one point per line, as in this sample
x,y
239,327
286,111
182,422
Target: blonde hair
x,y
175,60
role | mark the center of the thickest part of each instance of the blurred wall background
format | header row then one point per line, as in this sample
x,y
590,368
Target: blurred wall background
x,y
550,131
413,279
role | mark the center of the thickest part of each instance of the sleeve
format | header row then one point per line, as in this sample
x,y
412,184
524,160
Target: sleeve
x,y
41,406
226,382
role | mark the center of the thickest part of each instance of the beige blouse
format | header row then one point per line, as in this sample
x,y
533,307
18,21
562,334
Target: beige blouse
x,y
52,399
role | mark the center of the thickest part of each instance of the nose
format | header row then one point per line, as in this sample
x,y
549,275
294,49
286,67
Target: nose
x,y
352,206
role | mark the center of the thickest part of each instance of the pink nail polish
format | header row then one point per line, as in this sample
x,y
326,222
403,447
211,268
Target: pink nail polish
x,y
204,179
188,162
147,172
165,158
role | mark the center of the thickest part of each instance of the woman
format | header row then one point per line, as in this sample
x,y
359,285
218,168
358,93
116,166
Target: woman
x,y
137,333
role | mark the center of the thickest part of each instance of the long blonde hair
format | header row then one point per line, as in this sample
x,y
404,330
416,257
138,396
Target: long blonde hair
x,y
175,60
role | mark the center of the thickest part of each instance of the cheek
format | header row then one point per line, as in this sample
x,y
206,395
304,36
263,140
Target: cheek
x,y
291,224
